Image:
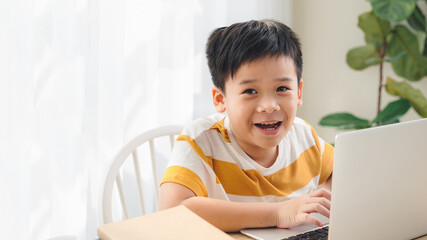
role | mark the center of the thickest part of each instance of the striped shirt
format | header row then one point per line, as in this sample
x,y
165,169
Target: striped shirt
x,y
208,161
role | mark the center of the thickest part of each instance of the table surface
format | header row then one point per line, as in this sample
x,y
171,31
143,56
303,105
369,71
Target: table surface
x,y
240,236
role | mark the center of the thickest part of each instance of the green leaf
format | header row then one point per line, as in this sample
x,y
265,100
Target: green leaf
x,y
375,29
421,38
393,10
417,20
362,57
397,57
344,121
392,112
405,90
425,48
412,66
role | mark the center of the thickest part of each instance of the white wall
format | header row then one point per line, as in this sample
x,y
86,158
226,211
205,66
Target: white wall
x,y
328,29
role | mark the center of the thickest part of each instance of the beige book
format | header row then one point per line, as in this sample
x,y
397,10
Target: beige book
x,y
174,223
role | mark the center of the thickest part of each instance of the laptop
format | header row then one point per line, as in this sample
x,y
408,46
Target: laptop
x,y
379,186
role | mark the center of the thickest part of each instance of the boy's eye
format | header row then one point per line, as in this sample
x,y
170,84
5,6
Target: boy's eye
x,y
282,89
250,91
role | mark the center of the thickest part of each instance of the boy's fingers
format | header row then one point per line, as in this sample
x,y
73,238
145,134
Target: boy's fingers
x,y
321,193
305,217
320,200
316,208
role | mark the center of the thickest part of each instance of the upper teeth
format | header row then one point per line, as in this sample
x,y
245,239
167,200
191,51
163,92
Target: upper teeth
x,y
267,123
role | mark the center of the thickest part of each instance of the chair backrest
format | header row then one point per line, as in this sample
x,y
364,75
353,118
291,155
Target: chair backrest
x,y
130,151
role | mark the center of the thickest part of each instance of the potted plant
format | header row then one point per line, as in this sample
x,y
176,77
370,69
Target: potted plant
x,y
395,33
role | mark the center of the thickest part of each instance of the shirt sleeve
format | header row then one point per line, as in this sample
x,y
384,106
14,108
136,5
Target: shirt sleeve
x,y
187,178
187,167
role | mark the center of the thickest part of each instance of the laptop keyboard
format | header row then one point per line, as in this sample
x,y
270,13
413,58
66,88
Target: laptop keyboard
x,y
317,234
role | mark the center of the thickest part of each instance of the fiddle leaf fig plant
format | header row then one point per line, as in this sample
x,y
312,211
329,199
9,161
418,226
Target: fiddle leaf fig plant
x,y
395,33
405,90
393,10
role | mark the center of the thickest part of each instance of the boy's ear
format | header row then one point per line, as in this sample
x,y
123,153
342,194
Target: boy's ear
x,y
218,98
300,93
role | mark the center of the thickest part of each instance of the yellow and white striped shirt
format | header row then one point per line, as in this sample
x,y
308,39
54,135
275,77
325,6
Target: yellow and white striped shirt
x,y
208,161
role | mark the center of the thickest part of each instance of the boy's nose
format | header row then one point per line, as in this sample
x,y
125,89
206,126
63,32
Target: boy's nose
x,y
268,105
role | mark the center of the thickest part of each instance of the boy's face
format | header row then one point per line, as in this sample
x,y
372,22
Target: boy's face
x,y
261,102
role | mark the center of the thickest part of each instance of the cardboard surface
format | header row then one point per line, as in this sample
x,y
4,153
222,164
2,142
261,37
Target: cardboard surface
x,y
174,223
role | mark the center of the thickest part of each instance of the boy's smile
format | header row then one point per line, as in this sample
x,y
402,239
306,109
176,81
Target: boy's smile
x,y
269,128
261,101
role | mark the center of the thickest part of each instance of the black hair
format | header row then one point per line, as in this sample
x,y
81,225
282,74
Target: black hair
x,y
230,47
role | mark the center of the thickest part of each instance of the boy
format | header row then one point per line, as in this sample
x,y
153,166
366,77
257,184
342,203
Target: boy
x,y
259,165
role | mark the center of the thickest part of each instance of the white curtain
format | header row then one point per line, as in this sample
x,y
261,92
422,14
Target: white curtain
x,y
78,79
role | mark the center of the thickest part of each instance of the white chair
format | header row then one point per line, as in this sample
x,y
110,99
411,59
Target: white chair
x,y
114,175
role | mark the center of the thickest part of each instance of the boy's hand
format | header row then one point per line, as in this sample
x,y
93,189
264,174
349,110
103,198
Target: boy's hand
x,y
297,211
